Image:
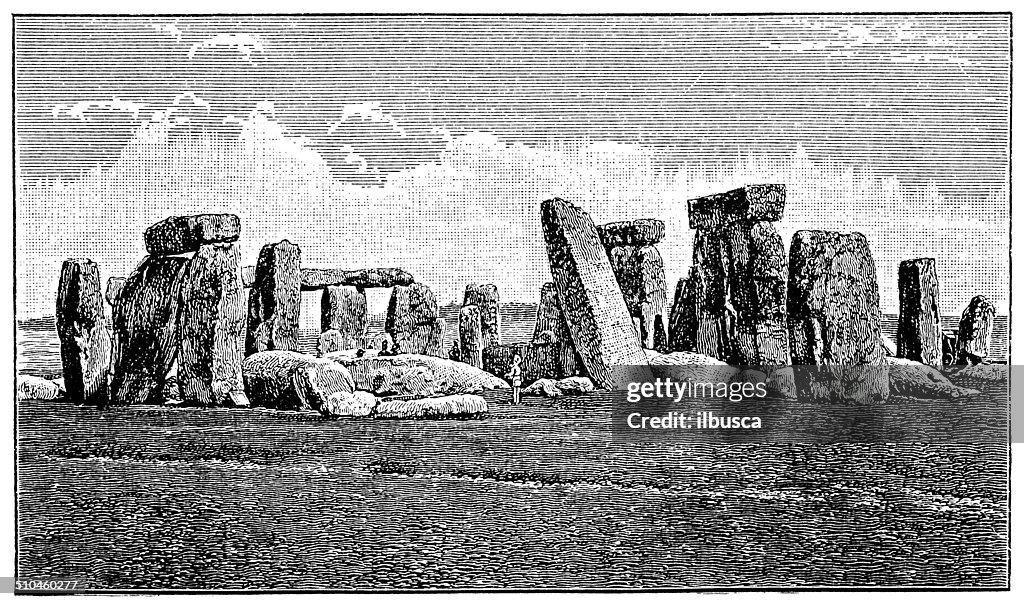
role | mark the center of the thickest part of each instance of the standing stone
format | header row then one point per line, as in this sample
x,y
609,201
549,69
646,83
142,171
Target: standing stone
x,y
485,297
177,235
81,326
679,319
412,320
471,341
274,300
640,273
114,287
211,326
758,274
919,332
710,323
972,339
330,341
145,322
834,319
552,328
343,308
593,305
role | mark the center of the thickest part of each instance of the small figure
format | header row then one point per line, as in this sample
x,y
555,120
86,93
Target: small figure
x,y
385,344
515,375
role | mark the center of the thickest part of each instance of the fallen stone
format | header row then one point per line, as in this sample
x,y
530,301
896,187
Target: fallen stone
x,y
344,404
412,320
211,325
981,373
289,380
640,273
594,308
834,318
343,308
684,366
383,277
913,379
36,388
443,407
471,342
748,203
972,340
570,386
542,387
114,287
404,374
639,232
485,297
919,332
177,235
82,328
274,300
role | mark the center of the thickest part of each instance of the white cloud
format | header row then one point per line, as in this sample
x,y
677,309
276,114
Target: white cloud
x,y
244,44
171,29
82,110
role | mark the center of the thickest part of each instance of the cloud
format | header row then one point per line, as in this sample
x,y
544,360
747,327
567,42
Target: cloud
x,y
244,44
87,110
171,29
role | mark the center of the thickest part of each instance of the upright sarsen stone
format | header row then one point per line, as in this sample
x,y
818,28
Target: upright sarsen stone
x,y
640,273
919,332
145,323
343,309
274,300
412,320
177,235
972,339
551,327
485,298
114,287
81,326
471,341
210,327
594,307
757,284
834,319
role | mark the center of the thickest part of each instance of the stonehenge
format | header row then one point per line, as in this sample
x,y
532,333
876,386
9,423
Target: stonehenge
x,y
412,320
471,340
82,329
274,300
919,332
485,298
640,273
343,310
177,235
975,330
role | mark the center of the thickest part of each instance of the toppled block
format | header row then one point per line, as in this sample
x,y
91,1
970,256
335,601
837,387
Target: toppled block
x,y
82,328
640,273
591,300
444,407
919,332
639,232
972,339
344,404
288,380
210,327
37,388
274,300
412,320
748,203
145,323
382,277
408,374
114,287
343,309
834,318
471,342
485,298
177,235
550,388
911,378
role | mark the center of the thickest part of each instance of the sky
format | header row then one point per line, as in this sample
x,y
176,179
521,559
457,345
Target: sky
x,y
428,143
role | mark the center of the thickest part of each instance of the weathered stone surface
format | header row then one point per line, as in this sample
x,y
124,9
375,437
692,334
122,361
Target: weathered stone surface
x,y
640,272
914,379
37,388
210,327
248,275
550,388
343,308
551,327
981,373
330,341
889,346
471,342
975,331
176,235
344,404
114,287
289,380
443,407
81,326
594,307
274,300
412,320
708,318
539,360
690,366
834,319
680,318
145,327
749,203
757,283
919,332
639,232
485,297
406,374
380,277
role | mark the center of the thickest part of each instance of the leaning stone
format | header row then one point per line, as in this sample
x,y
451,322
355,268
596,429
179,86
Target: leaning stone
x,y
177,235
145,323
288,380
343,308
274,300
639,232
443,407
471,344
36,388
114,287
594,307
485,297
344,404
81,326
382,277
412,320
211,326
972,339
919,332
749,203
911,378
834,320
640,273
410,373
